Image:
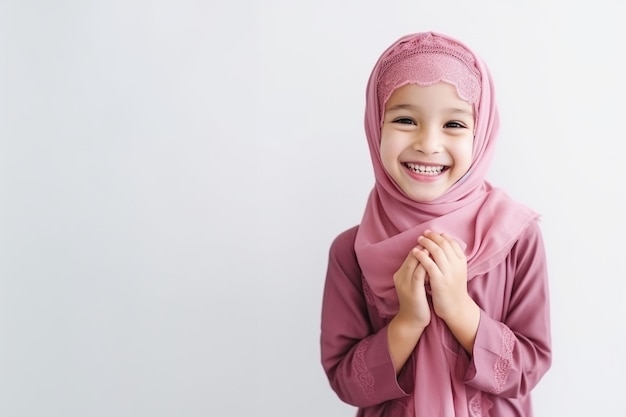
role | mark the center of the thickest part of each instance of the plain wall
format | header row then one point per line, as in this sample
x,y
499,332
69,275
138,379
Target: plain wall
x,y
172,174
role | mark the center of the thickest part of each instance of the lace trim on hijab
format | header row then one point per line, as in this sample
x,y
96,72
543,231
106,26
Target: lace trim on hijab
x,y
502,367
427,60
362,372
430,44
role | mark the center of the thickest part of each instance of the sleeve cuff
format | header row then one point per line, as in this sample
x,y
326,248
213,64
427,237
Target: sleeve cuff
x,y
388,386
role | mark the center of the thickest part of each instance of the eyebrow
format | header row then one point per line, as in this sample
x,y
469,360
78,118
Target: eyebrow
x,y
455,110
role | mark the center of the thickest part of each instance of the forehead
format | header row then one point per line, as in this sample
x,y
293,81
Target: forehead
x,y
439,96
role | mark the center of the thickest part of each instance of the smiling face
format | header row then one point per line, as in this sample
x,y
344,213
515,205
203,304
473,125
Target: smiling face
x,y
426,139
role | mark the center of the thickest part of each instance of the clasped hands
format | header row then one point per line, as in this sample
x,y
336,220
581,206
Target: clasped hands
x,y
438,259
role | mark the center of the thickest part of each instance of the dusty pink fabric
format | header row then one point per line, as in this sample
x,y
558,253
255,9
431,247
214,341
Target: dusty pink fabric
x,y
483,218
427,60
511,353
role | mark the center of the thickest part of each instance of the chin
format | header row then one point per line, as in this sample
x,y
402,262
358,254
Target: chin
x,y
421,198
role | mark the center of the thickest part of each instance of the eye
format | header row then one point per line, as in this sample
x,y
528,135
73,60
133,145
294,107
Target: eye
x,y
404,121
455,125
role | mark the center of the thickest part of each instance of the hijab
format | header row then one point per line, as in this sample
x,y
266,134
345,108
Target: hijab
x,y
483,218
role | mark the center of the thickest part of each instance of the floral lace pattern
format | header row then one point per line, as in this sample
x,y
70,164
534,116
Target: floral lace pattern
x,y
476,405
502,367
362,372
426,60
429,43
479,405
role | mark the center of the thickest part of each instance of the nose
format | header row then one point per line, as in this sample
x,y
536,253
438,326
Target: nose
x,y
427,140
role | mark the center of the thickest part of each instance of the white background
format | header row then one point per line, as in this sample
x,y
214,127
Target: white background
x,y
172,174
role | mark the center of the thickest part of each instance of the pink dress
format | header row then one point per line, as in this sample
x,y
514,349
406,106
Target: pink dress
x,y
511,353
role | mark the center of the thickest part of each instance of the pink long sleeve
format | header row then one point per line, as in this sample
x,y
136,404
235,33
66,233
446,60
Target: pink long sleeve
x,y
355,357
512,350
512,353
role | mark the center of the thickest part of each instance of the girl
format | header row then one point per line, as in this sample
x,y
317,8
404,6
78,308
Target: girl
x,y
437,303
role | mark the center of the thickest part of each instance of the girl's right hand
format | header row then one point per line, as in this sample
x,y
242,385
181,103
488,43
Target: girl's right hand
x,y
409,281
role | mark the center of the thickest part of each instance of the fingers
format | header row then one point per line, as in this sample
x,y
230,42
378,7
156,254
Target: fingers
x,y
435,255
407,269
426,262
441,246
419,275
456,247
411,262
436,246
439,253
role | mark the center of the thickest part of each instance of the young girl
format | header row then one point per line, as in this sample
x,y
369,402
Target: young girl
x,y
436,305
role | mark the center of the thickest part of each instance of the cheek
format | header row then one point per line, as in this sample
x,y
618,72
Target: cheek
x,y
392,141
389,150
463,152
468,148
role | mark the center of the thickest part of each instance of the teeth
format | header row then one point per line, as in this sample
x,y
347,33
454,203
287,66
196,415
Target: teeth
x,y
425,169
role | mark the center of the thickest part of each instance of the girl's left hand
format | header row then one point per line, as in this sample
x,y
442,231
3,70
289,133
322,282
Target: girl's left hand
x,y
446,266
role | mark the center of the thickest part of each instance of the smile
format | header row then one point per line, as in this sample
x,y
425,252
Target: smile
x,y
425,169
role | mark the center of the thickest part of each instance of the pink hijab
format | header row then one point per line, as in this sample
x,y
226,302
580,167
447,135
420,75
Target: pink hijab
x,y
483,218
